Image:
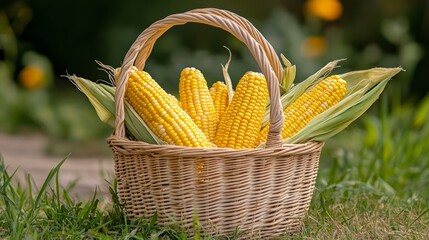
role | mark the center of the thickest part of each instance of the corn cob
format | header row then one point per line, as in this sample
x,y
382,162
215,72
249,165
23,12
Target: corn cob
x,y
239,126
161,113
219,93
196,100
325,94
173,98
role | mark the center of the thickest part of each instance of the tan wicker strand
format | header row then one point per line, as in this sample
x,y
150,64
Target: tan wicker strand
x,y
134,147
264,192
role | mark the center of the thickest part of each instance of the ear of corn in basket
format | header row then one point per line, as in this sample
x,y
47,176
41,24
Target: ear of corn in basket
x,y
219,93
196,100
294,92
364,88
161,113
240,124
321,97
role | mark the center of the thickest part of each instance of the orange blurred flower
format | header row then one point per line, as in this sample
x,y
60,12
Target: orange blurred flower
x,y
328,10
32,77
314,47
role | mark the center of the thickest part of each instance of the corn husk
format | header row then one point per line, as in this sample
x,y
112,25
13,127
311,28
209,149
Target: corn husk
x,y
293,93
363,89
102,97
227,78
288,77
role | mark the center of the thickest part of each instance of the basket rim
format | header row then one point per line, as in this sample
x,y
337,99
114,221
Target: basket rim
x,y
126,146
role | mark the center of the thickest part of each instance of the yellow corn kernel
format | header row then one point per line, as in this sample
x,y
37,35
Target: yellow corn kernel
x,y
239,126
324,95
196,100
162,113
174,99
219,93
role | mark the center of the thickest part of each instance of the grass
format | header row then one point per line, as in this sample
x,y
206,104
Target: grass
x,y
372,184
340,211
365,216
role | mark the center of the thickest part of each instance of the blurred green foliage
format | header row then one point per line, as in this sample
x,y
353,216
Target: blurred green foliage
x,y
67,36
388,152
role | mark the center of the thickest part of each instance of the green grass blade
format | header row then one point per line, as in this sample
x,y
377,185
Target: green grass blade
x,y
422,113
35,208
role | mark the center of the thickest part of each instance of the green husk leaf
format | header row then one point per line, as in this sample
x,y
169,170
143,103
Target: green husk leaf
x,y
94,95
135,125
285,61
101,97
365,88
357,79
289,74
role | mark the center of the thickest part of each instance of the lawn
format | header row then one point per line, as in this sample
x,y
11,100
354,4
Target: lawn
x,y
372,184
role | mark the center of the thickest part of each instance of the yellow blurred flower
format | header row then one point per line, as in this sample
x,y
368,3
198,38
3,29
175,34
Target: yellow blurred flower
x,y
314,47
32,77
328,10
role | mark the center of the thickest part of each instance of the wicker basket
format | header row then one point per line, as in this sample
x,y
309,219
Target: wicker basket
x,y
264,192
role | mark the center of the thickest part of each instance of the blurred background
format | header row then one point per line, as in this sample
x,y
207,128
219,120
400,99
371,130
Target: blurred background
x,y
40,41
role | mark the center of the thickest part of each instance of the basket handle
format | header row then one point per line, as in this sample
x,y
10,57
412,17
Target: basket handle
x,y
142,46
244,23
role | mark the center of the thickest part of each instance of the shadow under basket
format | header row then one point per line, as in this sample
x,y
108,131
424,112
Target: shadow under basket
x,y
262,192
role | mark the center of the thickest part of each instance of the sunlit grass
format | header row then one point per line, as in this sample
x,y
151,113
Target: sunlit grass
x,y
363,213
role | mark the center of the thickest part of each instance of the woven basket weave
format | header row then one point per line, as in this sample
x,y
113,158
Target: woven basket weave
x,y
264,192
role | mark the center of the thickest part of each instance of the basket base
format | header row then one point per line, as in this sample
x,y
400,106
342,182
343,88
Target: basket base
x,y
260,193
